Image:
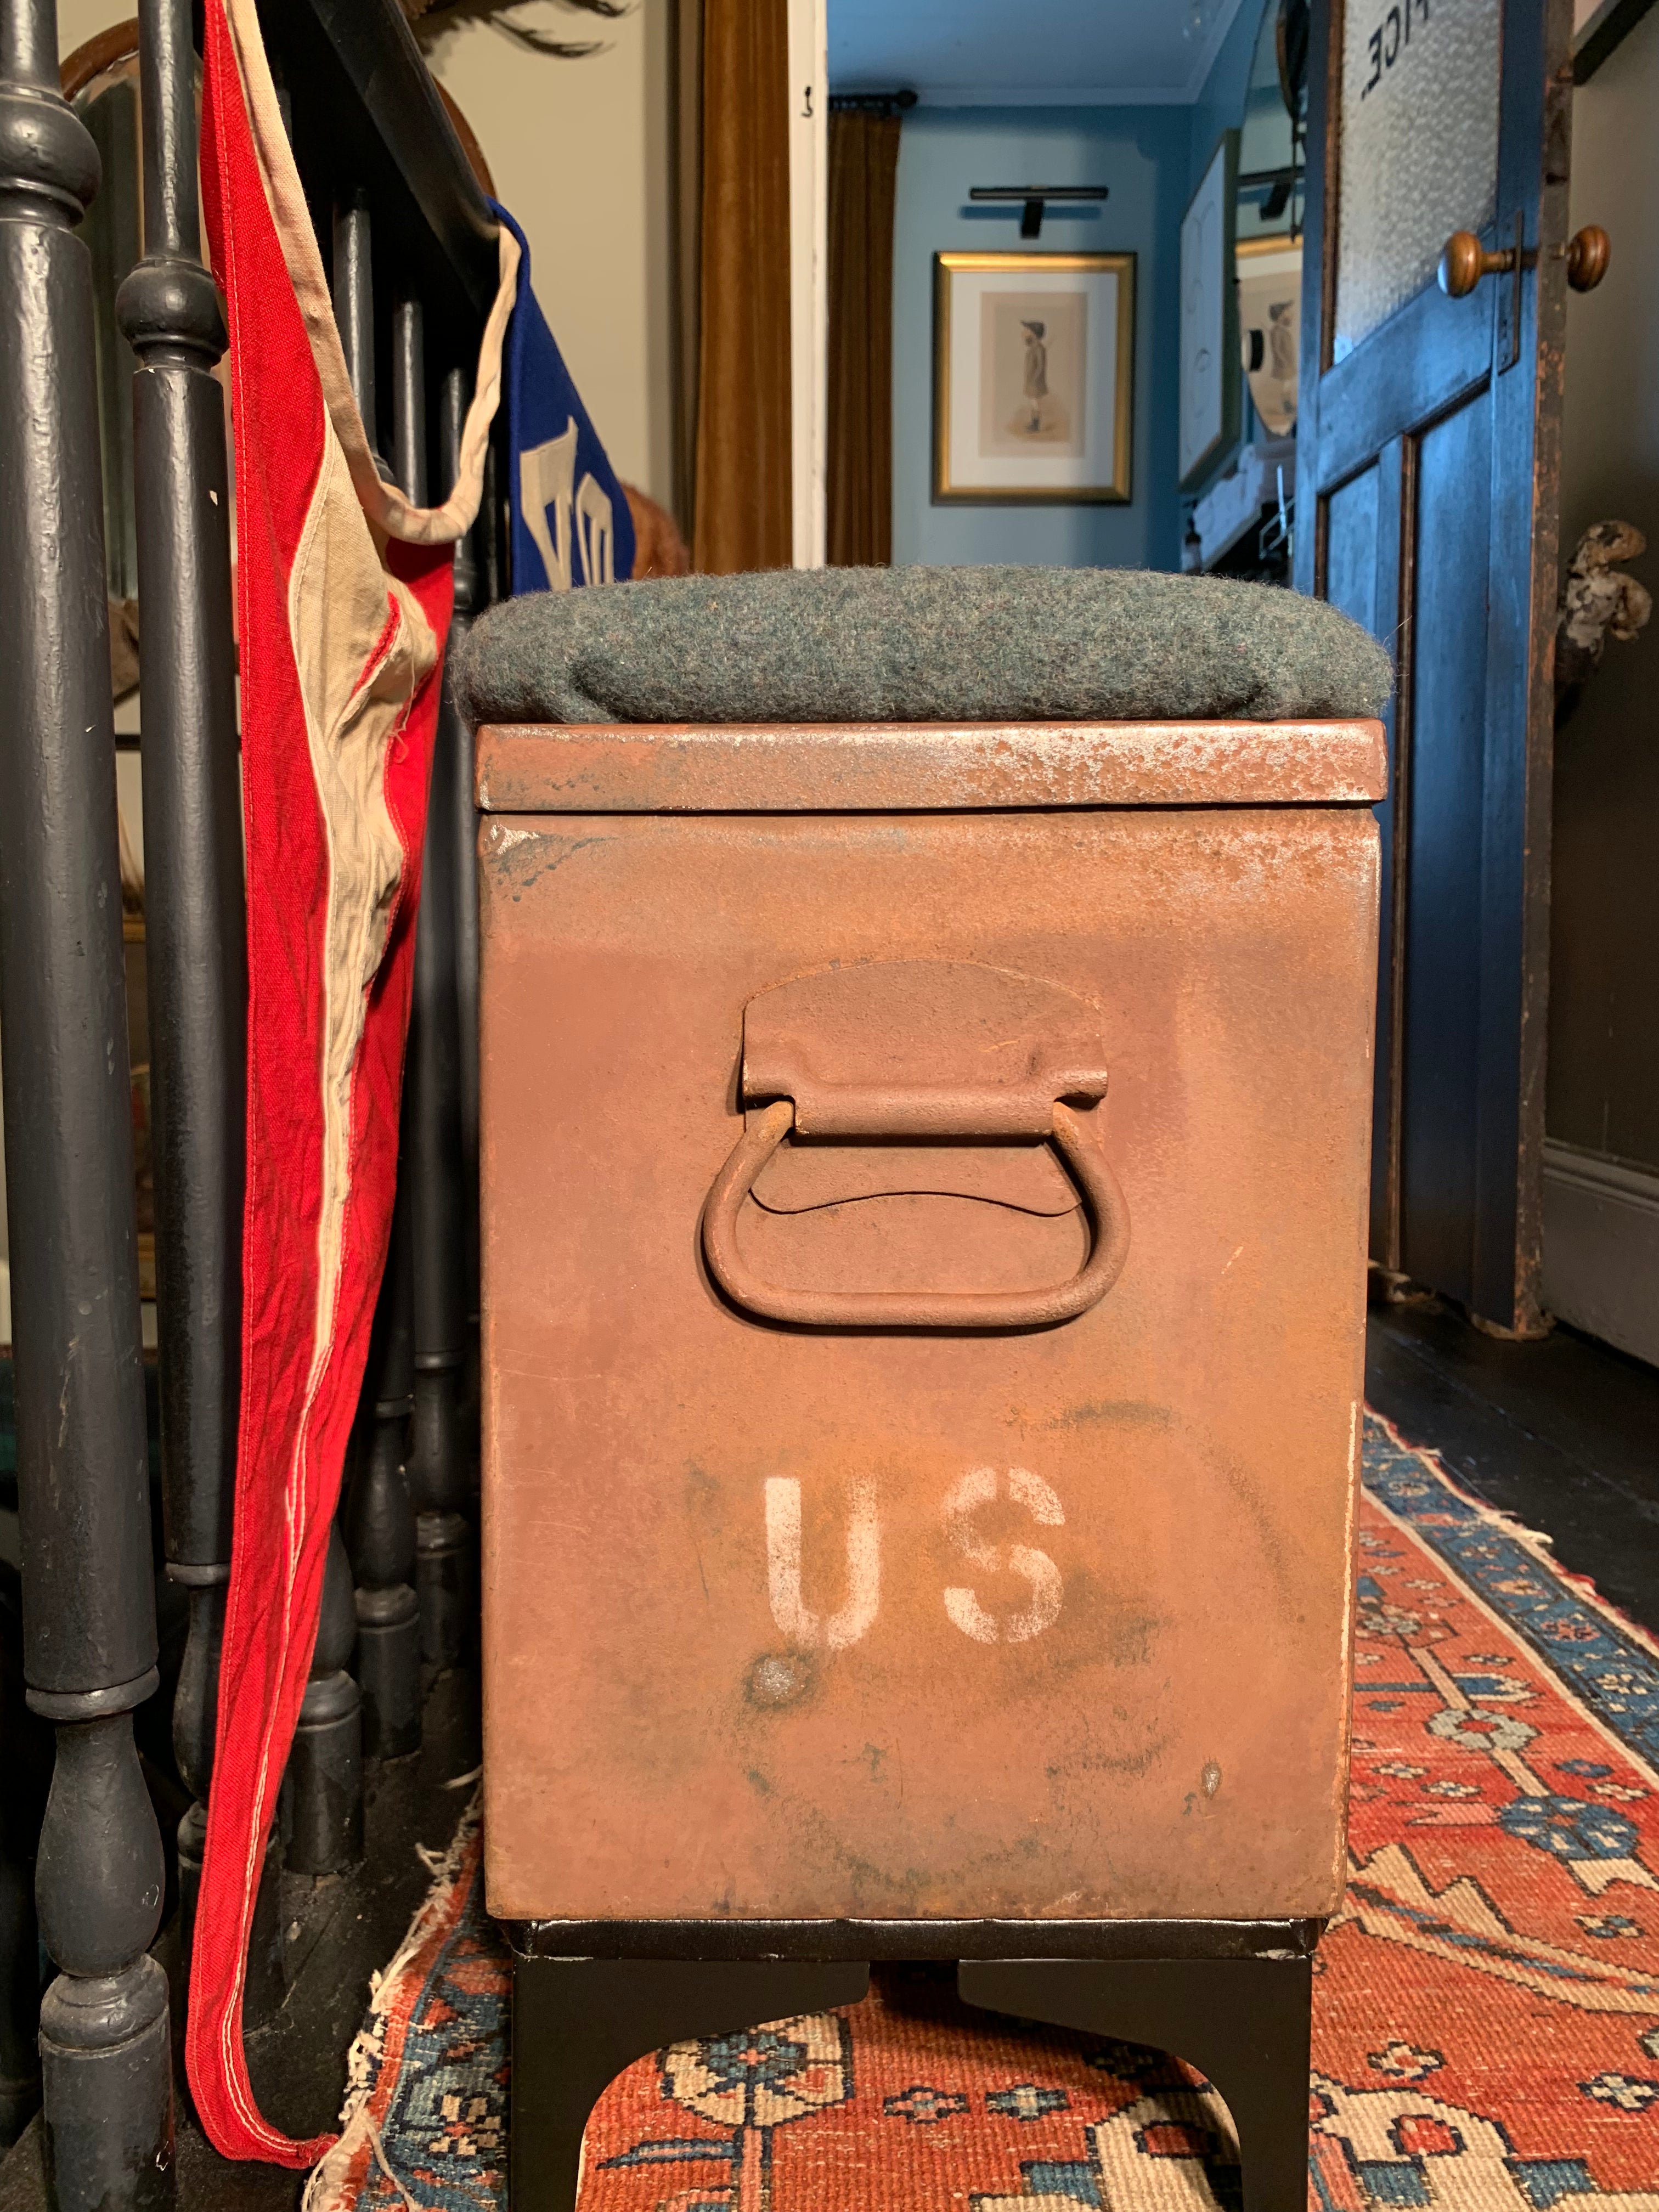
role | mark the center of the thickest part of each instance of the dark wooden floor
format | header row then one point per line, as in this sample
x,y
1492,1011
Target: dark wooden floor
x,y
1563,1433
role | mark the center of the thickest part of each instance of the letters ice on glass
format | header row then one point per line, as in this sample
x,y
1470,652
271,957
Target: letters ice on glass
x,y
1419,149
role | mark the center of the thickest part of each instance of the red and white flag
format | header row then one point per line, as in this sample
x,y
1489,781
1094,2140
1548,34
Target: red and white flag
x,y
343,594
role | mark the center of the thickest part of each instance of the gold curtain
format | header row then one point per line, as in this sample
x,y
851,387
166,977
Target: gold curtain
x,y
744,514
863,175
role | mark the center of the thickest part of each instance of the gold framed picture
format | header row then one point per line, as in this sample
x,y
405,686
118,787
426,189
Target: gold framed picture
x,y
1033,376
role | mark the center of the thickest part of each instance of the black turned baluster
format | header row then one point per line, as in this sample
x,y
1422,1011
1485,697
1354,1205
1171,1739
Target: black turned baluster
x,y
354,305
380,1517
432,1125
325,1766
470,582
324,1818
195,922
28,1744
88,1595
20,1995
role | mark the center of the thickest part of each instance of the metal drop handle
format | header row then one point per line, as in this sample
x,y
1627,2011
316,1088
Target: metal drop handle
x,y
1104,1204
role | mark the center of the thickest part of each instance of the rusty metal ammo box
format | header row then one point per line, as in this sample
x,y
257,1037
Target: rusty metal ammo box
x,y
923,1181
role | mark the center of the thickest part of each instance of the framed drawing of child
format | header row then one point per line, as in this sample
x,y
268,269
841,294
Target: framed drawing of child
x,y
1033,376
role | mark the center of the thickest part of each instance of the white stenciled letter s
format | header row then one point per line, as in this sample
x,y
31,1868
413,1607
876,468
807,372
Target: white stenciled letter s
x,y
980,1486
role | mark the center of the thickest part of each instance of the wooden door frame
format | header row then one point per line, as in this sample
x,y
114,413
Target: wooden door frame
x,y
1534,145
809,277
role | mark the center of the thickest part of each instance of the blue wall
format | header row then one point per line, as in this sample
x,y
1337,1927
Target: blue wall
x,y
1144,155
1220,106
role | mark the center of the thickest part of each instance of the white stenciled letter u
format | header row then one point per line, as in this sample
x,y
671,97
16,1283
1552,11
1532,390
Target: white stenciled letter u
x,y
783,1567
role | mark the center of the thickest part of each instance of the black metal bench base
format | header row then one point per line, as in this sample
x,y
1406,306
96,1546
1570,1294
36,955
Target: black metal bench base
x,y
1233,1998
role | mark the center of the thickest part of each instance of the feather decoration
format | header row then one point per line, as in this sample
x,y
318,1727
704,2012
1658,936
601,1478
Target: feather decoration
x,y
432,18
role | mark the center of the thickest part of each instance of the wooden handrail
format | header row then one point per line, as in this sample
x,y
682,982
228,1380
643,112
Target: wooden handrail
x,y
375,76
360,66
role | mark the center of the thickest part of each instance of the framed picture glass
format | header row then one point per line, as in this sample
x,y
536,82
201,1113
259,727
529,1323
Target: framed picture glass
x,y
1209,317
1033,375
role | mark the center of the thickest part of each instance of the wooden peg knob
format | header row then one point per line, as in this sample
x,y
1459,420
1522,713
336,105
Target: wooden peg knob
x,y
1465,261
1587,255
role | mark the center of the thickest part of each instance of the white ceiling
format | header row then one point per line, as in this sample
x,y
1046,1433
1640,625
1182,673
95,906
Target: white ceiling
x,y
983,53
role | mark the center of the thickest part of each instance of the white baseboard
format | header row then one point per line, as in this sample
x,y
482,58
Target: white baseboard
x,y
1602,1248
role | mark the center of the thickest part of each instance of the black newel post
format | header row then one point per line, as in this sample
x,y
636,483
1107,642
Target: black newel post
x,y
432,1127
195,920
88,1596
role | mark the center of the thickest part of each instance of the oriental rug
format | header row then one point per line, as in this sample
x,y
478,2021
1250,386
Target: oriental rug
x,y
1486,2005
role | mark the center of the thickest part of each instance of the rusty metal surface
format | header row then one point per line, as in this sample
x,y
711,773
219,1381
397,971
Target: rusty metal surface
x,y
787,1622
864,768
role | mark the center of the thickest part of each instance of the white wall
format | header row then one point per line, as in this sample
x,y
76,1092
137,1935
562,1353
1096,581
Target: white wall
x,y
80,20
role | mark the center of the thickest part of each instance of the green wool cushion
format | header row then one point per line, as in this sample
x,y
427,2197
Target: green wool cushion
x,y
920,645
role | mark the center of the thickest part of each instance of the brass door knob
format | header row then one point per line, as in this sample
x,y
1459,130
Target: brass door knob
x,y
1587,255
1466,261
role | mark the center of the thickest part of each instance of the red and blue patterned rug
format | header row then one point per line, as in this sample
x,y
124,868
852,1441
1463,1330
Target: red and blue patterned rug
x,y
1486,2009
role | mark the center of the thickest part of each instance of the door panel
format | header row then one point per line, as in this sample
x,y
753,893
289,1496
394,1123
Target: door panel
x,y
1442,929
1430,359
1428,431
1350,555
1359,580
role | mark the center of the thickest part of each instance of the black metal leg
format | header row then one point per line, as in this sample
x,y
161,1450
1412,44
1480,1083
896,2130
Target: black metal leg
x,y
577,2023
1244,2022
325,1766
